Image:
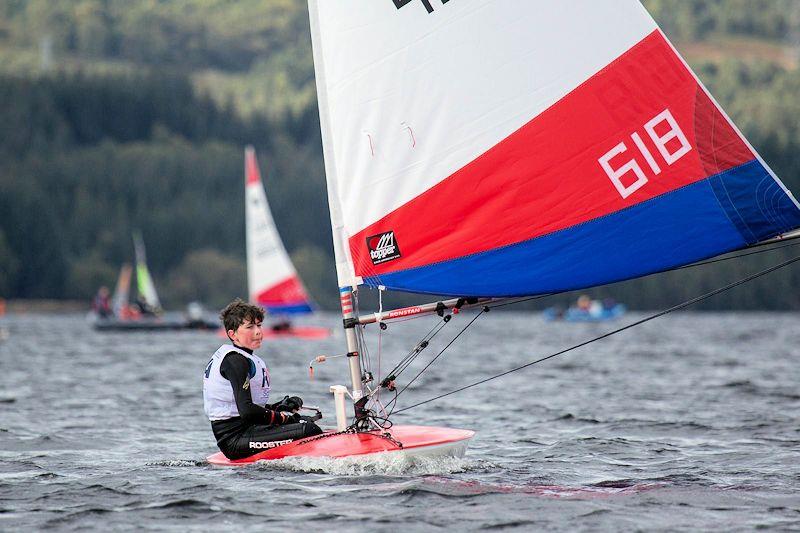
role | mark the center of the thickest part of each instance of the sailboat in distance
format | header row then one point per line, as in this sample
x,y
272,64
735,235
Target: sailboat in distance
x,y
488,149
272,280
146,312
122,291
147,298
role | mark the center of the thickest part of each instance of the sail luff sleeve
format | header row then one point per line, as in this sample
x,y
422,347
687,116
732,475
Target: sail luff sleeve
x,y
344,264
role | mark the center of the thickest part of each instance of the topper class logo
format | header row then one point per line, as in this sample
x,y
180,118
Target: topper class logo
x,y
383,247
427,3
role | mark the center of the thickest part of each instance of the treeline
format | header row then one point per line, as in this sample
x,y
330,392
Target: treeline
x,y
696,19
251,54
86,160
224,34
91,150
67,110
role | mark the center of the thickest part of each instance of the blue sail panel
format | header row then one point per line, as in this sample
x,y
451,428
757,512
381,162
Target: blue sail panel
x,y
722,213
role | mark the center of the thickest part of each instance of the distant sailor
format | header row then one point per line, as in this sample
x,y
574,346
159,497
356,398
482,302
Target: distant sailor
x,y
236,389
102,303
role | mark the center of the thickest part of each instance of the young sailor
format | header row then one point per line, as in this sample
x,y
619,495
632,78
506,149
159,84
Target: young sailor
x,y
236,388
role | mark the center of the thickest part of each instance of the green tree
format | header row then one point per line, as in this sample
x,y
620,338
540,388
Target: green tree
x,y
209,277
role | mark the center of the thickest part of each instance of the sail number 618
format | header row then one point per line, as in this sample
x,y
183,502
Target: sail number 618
x,y
671,135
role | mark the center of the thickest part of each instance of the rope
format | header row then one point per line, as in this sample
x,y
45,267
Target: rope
x,y
693,265
613,332
406,361
393,402
737,256
353,430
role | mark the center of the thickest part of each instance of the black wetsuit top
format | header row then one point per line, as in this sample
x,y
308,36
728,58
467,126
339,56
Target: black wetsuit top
x,y
255,424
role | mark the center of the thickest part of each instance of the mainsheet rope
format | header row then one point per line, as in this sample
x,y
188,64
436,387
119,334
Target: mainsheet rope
x,y
421,345
393,402
692,265
605,335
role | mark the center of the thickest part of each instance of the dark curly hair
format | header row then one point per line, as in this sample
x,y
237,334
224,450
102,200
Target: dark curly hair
x,y
236,312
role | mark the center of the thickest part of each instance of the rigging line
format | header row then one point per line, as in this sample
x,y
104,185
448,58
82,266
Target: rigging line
x,y
405,361
610,333
394,400
702,263
721,259
421,345
366,356
520,300
408,359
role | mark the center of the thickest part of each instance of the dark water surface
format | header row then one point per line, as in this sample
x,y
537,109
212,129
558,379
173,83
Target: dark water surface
x,y
687,422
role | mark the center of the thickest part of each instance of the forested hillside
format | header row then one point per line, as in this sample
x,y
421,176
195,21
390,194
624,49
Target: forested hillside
x,y
132,114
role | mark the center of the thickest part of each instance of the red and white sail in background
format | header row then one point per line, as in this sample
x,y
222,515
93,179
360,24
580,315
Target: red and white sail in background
x,y
271,278
496,148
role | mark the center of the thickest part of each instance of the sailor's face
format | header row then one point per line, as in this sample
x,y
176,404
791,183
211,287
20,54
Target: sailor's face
x,y
247,335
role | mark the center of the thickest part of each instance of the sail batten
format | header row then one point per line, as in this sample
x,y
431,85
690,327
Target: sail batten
x,y
500,149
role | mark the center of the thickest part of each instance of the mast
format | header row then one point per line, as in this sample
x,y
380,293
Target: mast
x,y
347,298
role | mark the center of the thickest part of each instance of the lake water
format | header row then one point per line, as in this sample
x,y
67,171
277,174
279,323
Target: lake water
x,y
686,422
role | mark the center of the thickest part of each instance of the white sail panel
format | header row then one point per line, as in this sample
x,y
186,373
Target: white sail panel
x,y
144,282
271,277
491,148
405,115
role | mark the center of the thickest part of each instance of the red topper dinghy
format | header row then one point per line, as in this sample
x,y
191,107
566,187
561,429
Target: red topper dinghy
x,y
412,440
297,332
294,332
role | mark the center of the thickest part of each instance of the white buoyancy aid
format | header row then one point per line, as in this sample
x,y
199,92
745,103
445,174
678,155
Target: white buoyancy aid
x,y
218,400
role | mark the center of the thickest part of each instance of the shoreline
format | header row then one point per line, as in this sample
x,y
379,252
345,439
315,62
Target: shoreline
x,y
21,307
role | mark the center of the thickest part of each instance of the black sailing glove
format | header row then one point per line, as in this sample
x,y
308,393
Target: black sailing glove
x,y
290,404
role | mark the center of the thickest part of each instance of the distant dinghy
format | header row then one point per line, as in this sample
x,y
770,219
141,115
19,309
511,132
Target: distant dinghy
x,y
146,313
272,280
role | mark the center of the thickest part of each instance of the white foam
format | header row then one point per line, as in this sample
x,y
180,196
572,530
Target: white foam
x,y
176,463
389,463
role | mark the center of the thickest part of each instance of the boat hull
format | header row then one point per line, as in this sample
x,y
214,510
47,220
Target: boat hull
x,y
295,332
299,332
411,440
151,324
573,314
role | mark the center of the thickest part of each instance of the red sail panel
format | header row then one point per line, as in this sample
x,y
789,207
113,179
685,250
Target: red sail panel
x,y
644,117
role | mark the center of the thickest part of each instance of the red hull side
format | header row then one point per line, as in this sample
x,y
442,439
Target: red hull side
x,y
299,332
413,438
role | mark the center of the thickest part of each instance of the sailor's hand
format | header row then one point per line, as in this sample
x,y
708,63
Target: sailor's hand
x,y
289,418
291,404
317,415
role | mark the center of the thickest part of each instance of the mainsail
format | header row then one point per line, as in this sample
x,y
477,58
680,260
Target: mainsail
x,y
492,148
271,278
144,283
122,290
